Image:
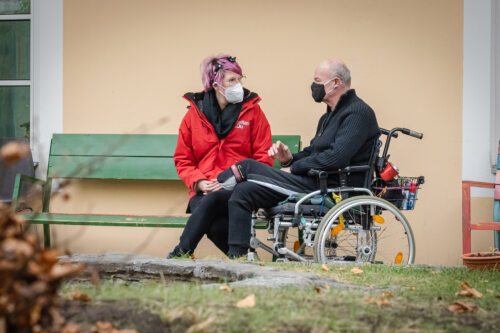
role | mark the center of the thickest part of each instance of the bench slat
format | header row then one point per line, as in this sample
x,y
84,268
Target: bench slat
x,y
92,167
122,156
153,145
113,220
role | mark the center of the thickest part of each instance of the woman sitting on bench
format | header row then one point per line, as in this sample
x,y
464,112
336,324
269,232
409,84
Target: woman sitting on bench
x,y
224,124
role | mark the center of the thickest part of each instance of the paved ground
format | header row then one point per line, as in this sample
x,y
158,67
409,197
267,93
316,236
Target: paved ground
x,y
134,267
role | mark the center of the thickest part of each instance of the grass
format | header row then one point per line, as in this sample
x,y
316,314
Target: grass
x,y
418,301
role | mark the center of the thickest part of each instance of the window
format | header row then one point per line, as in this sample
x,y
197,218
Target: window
x,y
15,68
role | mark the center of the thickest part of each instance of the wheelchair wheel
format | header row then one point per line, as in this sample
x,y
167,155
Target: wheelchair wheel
x,y
374,231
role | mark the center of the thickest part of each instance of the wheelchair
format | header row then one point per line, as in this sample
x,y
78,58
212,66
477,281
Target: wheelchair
x,y
346,224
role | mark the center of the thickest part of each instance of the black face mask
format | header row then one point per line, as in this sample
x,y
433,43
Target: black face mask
x,y
318,92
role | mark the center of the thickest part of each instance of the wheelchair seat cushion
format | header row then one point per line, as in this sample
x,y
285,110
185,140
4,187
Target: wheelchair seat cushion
x,y
288,208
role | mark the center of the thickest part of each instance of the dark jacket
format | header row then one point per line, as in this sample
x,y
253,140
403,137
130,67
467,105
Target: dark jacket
x,y
345,136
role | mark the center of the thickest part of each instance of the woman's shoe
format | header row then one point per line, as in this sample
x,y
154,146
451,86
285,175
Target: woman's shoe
x,y
177,252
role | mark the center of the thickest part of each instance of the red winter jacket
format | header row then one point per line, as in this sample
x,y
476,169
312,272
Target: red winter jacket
x,y
201,155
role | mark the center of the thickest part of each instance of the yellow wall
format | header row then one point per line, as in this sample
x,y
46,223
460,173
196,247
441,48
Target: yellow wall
x,y
128,62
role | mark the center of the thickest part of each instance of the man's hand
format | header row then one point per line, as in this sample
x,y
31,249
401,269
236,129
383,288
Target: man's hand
x,y
287,169
207,186
279,151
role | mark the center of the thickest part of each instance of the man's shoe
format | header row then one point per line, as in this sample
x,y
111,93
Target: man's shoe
x,y
237,252
179,253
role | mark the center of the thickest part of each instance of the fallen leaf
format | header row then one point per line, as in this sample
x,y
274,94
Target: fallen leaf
x,y
226,287
318,289
387,294
247,302
380,301
19,247
49,256
14,151
71,328
102,327
204,326
468,291
356,270
79,296
461,307
325,268
59,271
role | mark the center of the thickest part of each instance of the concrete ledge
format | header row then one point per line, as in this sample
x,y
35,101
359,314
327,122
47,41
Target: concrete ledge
x,y
133,267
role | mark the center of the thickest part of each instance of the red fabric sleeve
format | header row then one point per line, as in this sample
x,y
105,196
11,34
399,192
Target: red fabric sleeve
x,y
261,138
184,159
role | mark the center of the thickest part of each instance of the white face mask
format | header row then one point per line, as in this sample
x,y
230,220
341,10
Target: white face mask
x,y
234,94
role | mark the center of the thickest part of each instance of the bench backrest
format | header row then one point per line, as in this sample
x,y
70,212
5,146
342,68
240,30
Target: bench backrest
x,y
121,156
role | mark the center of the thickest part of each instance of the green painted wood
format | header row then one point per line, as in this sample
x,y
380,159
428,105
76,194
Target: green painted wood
x,y
140,145
113,220
118,156
293,143
152,145
122,156
92,167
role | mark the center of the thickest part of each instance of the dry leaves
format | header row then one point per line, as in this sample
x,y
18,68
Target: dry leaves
x,y
356,270
79,296
382,299
461,307
30,278
204,326
247,302
71,328
107,327
468,291
14,151
319,289
226,287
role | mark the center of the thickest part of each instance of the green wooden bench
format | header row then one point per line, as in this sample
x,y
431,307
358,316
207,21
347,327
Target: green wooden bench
x,y
111,157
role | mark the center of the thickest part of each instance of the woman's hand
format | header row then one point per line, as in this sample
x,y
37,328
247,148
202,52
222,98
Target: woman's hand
x,y
279,151
207,186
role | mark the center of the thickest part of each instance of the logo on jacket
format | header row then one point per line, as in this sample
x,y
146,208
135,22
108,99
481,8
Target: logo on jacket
x,y
242,123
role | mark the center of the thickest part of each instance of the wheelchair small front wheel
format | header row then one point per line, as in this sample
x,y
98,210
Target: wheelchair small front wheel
x,y
364,229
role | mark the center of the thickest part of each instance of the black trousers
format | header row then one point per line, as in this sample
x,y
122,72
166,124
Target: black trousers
x,y
263,187
209,216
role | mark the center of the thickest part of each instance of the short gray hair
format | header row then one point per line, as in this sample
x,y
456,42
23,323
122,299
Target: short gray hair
x,y
340,69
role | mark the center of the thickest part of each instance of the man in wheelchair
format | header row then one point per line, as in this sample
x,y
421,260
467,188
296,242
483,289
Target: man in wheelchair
x,y
345,136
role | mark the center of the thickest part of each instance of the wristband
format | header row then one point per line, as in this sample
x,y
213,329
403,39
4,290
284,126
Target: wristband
x,y
287,163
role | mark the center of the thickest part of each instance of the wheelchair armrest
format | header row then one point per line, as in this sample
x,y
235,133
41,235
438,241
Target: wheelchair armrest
x,y
351,169
322,176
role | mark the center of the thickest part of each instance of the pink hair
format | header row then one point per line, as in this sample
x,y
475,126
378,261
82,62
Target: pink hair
x,y
214,68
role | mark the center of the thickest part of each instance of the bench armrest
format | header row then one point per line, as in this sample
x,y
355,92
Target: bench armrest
x,y
18,185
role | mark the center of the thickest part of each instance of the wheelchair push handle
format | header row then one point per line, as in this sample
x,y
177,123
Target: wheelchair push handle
x,y
412,133
393,134
386,132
